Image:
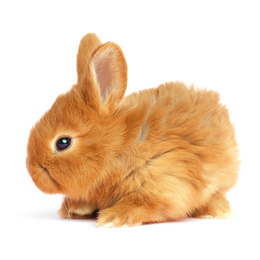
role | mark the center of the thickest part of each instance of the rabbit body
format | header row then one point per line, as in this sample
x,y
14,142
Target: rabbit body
x,y
159,155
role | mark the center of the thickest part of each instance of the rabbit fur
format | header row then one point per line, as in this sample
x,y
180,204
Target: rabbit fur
x,y
159,155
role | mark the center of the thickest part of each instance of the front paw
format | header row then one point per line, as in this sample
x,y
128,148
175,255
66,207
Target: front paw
x,y
114,217
72,209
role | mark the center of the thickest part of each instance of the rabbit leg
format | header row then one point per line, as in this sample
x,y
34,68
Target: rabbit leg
x,y
75,209
218,207
133,211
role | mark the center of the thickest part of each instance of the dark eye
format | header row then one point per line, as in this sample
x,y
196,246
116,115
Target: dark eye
x,y
63,143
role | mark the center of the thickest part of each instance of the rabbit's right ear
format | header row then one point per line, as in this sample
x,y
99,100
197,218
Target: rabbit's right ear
x,y
104,83
88,44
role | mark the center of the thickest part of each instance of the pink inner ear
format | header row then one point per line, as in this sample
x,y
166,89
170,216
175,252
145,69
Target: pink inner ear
x,y
104,73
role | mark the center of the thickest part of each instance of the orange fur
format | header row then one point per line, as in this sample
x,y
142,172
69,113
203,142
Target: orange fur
x,y
159,155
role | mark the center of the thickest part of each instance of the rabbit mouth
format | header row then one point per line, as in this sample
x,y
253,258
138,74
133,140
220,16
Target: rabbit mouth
x,y
45,170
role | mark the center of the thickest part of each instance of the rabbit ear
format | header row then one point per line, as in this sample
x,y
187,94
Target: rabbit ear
x,y
106,79
87,46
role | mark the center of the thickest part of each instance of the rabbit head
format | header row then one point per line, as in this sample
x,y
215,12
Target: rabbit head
x,y
71,145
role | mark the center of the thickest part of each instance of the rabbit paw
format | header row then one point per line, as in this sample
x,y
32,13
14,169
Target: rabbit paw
x,y
72,209
227,215
115,218
217,208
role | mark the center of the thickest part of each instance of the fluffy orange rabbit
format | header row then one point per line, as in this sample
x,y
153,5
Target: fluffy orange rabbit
x,y
159,155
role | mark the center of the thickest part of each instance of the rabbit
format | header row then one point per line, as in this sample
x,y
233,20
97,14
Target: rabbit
x,y
161,155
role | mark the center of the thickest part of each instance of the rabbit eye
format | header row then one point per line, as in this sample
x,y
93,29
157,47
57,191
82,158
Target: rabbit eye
x,y
63,143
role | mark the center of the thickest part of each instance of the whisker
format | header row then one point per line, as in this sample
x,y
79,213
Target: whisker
x,y
67,208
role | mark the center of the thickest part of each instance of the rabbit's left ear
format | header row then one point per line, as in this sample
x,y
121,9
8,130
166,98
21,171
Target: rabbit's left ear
x,y
106,79
88,44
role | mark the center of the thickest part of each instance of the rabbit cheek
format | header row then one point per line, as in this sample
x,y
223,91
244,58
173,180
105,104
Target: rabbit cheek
x,y
66,175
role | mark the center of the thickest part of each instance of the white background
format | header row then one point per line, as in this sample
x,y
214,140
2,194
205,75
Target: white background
x,y
214,45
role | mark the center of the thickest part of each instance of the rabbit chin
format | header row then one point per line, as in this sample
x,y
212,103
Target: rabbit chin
x,y
43,179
